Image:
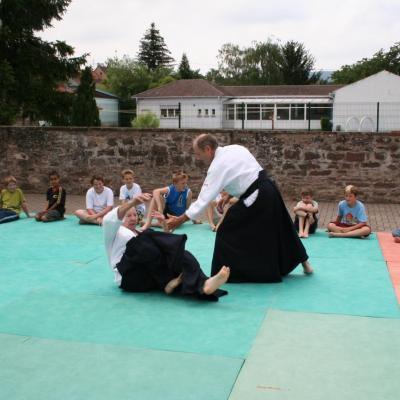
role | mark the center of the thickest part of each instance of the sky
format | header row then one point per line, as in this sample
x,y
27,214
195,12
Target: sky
x,y
336,33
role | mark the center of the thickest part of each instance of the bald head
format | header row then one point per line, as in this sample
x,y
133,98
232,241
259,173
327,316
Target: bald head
x,y
204,140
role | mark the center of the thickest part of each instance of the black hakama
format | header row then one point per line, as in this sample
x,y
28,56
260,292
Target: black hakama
x,y
152,259
259,243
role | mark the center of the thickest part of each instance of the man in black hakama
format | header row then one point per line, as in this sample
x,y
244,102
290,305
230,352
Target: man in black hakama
x,y
257,238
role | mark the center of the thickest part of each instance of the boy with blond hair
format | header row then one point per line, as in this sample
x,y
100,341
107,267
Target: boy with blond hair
x,y
174,199
352,218
130,190
12,201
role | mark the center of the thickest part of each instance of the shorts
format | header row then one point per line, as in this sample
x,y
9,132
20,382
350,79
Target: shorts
x,y
53,215
342,225
396,232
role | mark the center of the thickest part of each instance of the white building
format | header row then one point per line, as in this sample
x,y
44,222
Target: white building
x,y
197,103
370,104
366,105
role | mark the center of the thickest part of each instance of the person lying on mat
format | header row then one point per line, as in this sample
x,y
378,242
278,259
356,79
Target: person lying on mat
x,y
153,260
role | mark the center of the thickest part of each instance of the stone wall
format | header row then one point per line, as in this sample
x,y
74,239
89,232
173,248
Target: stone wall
x,y
324,161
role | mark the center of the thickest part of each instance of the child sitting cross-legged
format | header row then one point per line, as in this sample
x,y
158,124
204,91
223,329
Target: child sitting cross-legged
x,y
352,218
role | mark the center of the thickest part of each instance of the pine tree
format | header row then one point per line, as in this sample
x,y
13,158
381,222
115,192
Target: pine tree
x,y
184,70
153,51
36,66
297,65
84,108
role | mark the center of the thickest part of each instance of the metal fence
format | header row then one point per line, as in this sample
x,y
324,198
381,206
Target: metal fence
x,y
337,116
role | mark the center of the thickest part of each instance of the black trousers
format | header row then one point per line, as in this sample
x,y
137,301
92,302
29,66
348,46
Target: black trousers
x,y
153,259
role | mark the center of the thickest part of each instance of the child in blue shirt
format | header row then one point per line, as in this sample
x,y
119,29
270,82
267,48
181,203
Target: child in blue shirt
x,y
352,218
173,200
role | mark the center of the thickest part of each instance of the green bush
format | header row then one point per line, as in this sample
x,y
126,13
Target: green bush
x,y
146,120
326,124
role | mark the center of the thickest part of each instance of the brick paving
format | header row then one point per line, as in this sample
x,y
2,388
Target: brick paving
x,y
382,217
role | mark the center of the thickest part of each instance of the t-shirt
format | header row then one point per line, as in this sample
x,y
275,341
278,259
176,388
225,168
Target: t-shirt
x,y
116,236
175,202
98,202
57,197
12,200
129,194
352,215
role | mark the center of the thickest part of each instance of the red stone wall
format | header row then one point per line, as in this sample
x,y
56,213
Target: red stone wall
x,y
325,161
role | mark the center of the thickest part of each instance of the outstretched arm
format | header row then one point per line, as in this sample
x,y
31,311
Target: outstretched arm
x,y
124,208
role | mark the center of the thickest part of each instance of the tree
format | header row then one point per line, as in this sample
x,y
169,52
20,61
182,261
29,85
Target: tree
x,y
36,66
8,106
381,60
184,70
84,108
297,65
127,77
258,64
153,51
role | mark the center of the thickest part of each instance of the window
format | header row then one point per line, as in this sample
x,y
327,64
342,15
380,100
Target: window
x,y
199,112
206,112
267,112
229,112
297,111
169,112
317,111
253,112
240,111
213,112
282,112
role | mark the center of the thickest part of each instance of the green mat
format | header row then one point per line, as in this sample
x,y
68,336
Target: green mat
x,y
57,295
304,356
50,369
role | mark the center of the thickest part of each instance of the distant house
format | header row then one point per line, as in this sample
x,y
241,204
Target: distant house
x,y
370,104
107,103
99,74
202,104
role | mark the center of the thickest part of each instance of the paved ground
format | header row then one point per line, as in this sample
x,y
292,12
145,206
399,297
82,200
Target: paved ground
x,y
382,217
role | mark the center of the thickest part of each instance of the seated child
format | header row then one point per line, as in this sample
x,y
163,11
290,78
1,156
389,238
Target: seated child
x,y
174,199
12,200
216,213
352,218
129,190
99,201
306,210
55,196
396,235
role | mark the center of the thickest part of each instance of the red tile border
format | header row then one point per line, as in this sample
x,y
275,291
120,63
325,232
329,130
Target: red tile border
x,y
391,254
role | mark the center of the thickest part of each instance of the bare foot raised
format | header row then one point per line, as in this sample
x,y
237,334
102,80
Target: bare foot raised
x,y
213,283
173,284
307,269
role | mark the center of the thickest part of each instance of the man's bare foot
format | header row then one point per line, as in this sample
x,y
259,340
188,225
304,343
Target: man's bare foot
x,y
197,221
301,234
213,283
334,234
307,269
305,235
173,284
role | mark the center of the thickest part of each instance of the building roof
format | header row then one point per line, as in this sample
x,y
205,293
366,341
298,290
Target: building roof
x,y
204,88
184,88
280,90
